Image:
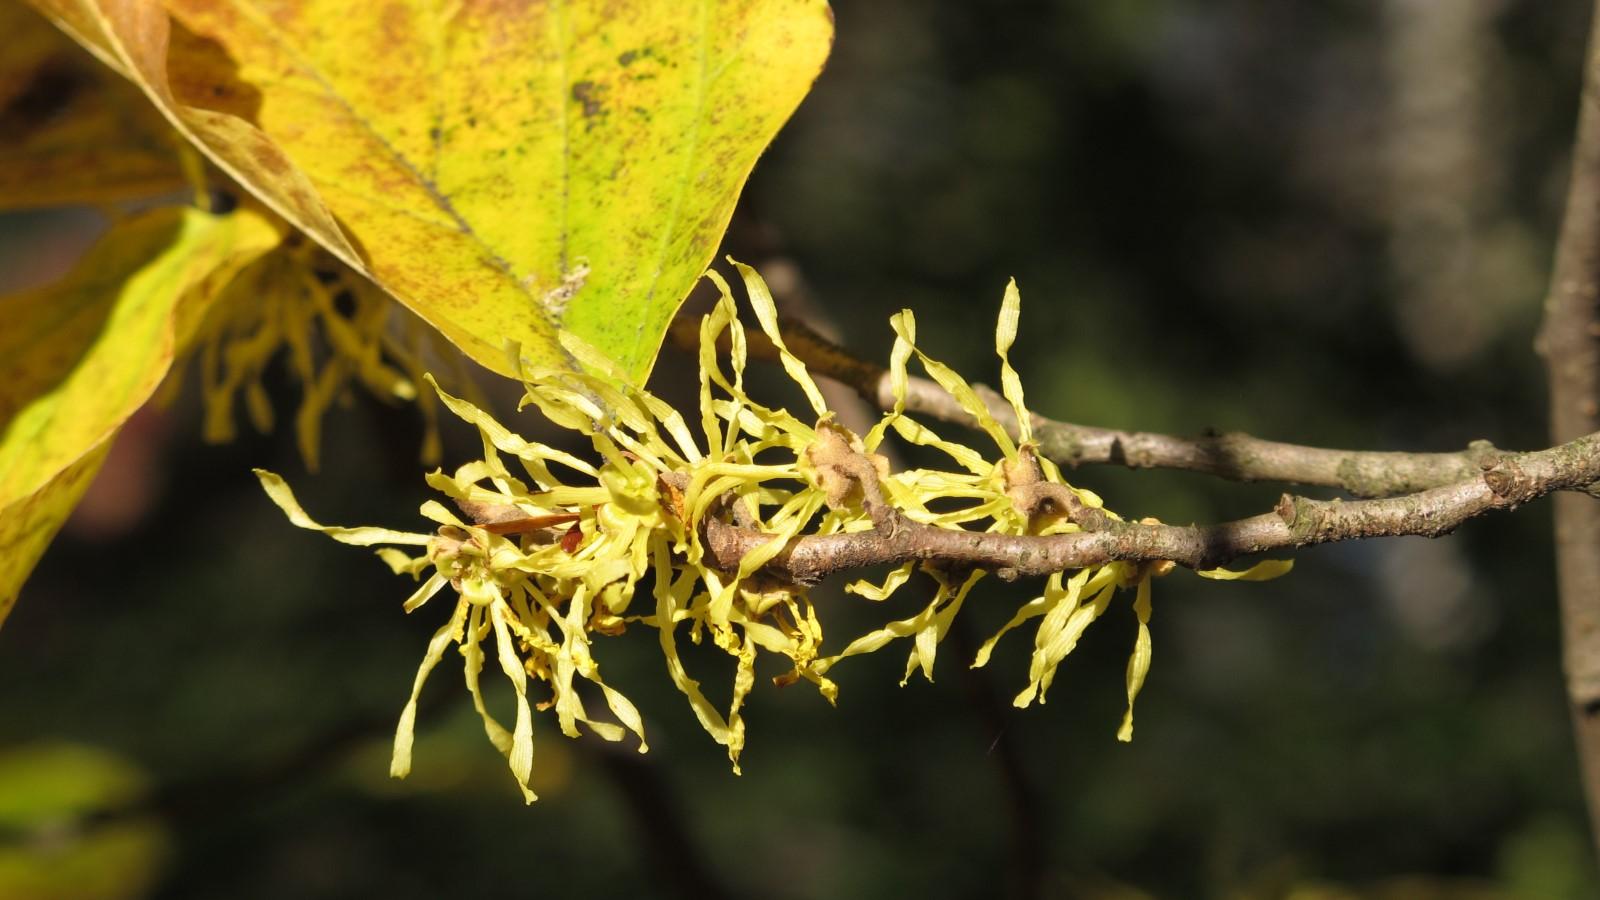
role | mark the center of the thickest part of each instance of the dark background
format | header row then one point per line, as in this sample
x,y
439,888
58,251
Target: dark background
x,y
1327,223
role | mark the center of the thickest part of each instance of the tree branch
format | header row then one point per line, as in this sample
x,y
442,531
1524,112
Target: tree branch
x,y
1233,455
1295,522
1570,341
1421,493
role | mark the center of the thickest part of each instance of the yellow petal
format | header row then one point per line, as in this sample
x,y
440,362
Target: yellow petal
x,y
1139,662
280,494
928,627
928,637
892,582
918,433
669,603
625,712
502,438
767,315
712,325
903,323
472,655
425,593
405,733
1004,336
957,387
744,677
1064,621
521,755
1265,570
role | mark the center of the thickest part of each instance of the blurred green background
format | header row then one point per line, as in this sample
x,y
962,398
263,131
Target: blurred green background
x,y
1327,223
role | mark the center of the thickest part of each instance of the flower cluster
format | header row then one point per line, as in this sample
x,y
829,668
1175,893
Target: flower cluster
x,y
335,328
547,559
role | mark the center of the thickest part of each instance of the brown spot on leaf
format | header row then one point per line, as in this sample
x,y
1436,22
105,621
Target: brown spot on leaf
x,y
587,93
202,74
395,21
268,159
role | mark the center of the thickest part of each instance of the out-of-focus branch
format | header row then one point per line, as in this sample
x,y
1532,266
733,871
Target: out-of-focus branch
x,y
1295,522
1029,823
664,836
1570,341
1233,455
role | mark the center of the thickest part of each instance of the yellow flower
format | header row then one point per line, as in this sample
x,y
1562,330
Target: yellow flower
x,y
548,558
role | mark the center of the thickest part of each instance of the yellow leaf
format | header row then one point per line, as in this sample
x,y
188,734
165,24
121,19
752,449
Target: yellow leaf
x,y
71,132
504,170
80,356
28,524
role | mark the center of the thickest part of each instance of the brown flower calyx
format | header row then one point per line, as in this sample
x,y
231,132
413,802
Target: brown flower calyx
x,y
847,475
1045,501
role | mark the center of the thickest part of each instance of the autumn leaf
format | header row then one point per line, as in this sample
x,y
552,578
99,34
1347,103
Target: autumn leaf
x,y
81,355
74,132
504,170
